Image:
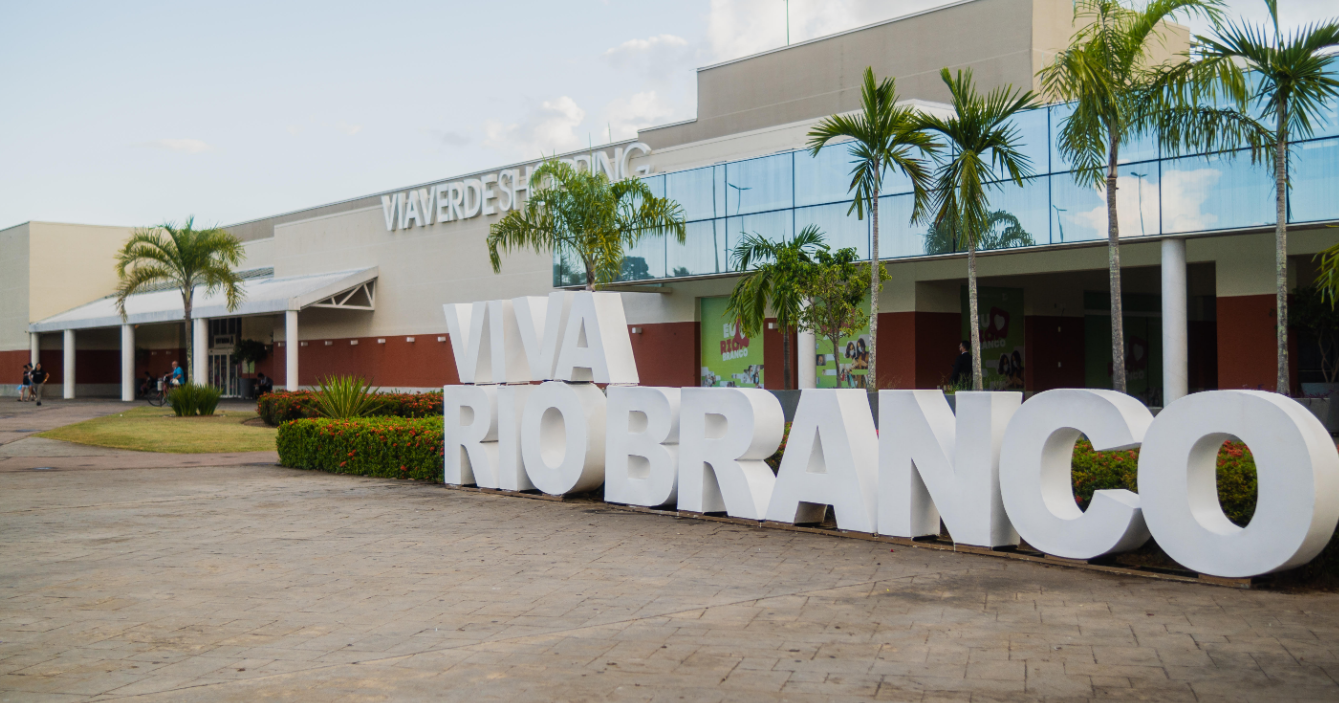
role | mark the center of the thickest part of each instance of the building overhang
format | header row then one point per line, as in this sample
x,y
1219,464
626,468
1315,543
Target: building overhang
x,y
344,290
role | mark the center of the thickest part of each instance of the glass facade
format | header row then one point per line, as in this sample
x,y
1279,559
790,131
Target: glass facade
x,y
777,195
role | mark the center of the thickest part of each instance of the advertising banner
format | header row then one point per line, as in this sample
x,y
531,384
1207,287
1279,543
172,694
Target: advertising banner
x,y
852,357
1000,316
729,359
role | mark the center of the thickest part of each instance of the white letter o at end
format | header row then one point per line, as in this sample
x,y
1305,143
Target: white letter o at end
x,y
562,437
1297,474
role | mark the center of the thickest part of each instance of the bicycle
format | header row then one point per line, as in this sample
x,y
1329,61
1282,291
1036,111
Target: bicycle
x,y
157,396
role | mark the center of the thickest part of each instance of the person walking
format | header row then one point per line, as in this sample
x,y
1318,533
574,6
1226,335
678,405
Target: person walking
x,y
39,378
26,384
962,366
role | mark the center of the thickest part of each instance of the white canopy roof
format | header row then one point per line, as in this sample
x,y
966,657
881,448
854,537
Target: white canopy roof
x,y
262,296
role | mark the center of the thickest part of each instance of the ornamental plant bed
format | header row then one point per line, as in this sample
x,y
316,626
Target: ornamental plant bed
x,y
284,406
386,447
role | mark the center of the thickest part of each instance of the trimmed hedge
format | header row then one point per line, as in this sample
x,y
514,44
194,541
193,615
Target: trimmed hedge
x,y
285,406
387,447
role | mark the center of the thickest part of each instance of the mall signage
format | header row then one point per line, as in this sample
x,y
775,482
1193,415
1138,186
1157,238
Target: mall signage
x,y
494,193
531,416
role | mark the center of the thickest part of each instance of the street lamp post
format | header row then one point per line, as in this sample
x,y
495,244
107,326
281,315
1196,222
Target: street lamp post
x,y
1060,221
1141,177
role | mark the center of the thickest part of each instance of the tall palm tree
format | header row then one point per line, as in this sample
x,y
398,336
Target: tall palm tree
x,y
883,140
776,281
584,214
983,146
1293,87
1107,71
184,258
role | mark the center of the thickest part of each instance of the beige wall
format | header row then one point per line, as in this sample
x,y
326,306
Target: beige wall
x,y
14,288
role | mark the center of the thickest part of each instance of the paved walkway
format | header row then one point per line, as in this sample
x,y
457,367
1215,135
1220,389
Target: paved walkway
x,y
245,583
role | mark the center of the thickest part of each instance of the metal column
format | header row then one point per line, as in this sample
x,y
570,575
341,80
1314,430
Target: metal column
x,y
291,349
67,351
127,362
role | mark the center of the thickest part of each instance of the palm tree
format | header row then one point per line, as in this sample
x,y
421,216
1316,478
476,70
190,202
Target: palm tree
x,y
584,214
884,140
1107,72
981,144
776,281
183,258
1292,90
944,240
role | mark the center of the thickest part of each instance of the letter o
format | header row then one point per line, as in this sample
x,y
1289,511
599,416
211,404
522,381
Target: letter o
x,y
1297,474
562,437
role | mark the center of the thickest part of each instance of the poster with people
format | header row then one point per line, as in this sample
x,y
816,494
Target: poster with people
x,y
848,367
729,359
1003,336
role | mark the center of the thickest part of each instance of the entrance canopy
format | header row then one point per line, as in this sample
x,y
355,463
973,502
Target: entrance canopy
x,y
262,295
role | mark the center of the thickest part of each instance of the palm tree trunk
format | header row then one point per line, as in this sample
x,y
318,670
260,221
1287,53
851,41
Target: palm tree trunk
x,y
872,379
1113,249
974,326
189,361
785,357
1281,243
590,276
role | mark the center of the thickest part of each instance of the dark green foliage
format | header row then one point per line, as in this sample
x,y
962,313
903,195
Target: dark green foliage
x,y
1095,471
387,447
348,397
278,408
189,400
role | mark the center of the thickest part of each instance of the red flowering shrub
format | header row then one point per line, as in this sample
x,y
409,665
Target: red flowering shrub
x,y
283,406
388,447
1095,471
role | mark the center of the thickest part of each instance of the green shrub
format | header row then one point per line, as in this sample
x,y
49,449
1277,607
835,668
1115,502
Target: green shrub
x,y
280,407
388,447
346,397
190,399
1095,471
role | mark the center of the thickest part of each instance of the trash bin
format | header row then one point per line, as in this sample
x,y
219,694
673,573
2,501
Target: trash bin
x,y
247,388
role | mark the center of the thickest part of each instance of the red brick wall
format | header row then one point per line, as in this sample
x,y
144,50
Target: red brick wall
x,y
1054,352
897,350
669,354
773,359
11,367
1246,342
90,365
937,337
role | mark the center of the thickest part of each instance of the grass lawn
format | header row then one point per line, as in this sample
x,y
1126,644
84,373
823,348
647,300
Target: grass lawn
x,y
149,429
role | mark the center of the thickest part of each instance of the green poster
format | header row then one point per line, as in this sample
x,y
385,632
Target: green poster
x,y
1003,336
729,359
853,356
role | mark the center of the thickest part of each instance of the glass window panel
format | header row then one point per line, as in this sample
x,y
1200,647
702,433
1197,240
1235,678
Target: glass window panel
x,y
1023,217
693,191
568,271
773,226
1315,181
656,184
898,237
1078,212
839,229
644,261
1143,148
824,178
759,185
1034,139
896,182
703,251
1215,192
1326,123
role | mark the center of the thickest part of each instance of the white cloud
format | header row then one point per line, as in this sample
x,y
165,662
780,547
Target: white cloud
x,y
348,129
448,138
1184,194
626,115
181,146
738,28
552,126
1130,201
657,59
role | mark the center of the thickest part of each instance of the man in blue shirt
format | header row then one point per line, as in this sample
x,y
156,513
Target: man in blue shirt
x,y
178,376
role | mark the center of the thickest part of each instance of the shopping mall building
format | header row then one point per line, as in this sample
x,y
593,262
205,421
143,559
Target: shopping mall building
x,y
358,286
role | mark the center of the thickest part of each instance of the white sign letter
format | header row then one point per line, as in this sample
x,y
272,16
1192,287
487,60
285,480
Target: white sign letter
x,y
1297,472
1036,479
931,464
562,437
831,458
596,346
642,446
724,436
469,430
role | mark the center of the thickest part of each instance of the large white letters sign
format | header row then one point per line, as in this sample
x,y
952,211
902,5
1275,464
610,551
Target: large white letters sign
x,y
997,470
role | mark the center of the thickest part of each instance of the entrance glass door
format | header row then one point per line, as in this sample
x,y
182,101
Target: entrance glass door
x,y
223,373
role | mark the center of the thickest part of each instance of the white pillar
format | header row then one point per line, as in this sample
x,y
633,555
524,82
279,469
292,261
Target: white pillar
x,y
807,350
1175,357
127,362
34,347
291,349
200,357
67,350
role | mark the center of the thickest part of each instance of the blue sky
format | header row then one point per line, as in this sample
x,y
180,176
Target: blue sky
x,y
138,112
